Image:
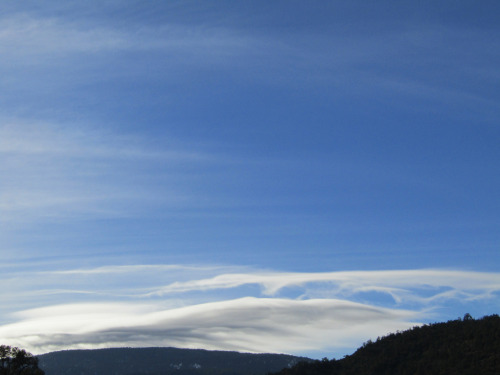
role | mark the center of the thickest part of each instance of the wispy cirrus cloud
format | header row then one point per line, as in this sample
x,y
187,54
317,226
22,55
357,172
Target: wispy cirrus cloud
x,y
52,36
26,35
55,171
357,62
22,139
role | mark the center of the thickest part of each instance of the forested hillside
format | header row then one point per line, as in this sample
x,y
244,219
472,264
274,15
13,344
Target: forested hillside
x,y
463,346
156,361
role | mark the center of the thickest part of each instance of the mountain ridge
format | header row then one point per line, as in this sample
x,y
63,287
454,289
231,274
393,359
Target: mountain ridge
x,y
161,360
463,346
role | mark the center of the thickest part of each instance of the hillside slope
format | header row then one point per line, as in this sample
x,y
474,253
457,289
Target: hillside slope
x,y
155,361
462,347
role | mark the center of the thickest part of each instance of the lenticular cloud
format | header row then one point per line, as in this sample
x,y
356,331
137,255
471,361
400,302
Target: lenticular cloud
x,y
229,308
246,324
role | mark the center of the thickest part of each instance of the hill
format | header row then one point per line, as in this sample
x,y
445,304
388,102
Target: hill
x,y
462,347
155,361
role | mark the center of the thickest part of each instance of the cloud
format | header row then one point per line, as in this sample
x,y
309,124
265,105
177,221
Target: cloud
x,y
401,285
176,52
246,324
50,140
53,38
228,307
60,171
419,287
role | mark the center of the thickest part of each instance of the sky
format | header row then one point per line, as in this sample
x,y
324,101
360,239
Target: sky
x,y
288,176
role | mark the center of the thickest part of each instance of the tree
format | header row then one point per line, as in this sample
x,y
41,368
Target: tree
x,y
15,361
468,317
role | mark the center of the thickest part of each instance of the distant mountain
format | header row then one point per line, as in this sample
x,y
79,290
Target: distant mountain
x,y
462,347
164,361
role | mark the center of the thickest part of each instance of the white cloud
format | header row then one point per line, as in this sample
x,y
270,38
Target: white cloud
x,y
246,324
218,307
400,285
420,287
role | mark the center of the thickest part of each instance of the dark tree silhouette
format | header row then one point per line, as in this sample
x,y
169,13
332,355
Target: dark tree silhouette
x,y
468,317
15,361
465,346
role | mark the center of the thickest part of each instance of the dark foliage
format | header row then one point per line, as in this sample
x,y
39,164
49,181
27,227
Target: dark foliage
x,y
462,347
15,361
155,361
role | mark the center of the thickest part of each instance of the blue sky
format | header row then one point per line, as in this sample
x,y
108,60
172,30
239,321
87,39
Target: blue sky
x,y
261,176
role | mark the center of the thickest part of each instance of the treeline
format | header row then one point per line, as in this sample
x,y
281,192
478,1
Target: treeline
x,y
463,346
16,361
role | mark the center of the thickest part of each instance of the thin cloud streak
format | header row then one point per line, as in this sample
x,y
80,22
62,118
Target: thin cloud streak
x,y
26,139
139,268
26,36
58,171
356,63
